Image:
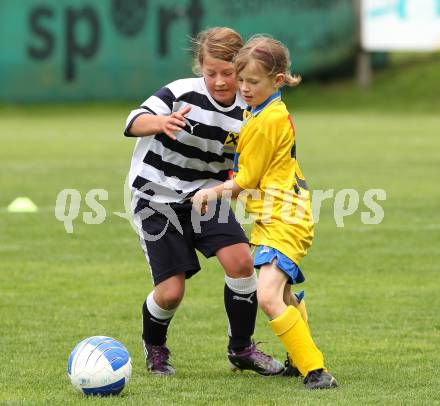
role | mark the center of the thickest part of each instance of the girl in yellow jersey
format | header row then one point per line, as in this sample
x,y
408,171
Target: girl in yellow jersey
x,y
268,177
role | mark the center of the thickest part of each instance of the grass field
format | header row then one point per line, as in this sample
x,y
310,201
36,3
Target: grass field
x,y
372,290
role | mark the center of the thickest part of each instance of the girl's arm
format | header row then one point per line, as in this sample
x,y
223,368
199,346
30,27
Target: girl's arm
x,y
228,186
202,197
148,124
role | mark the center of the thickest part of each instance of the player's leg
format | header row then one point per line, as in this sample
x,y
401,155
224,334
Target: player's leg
x,y
288,325
159,308
296,300
157,313
270,290
241,307
226,240
239,293
168,274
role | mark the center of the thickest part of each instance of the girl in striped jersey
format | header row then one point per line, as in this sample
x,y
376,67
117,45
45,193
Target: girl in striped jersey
x,y
266,164
187,132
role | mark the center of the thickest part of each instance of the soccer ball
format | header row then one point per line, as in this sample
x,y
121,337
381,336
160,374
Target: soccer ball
x,y
99,366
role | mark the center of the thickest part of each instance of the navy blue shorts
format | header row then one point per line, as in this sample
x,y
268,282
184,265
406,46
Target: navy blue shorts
x,y
170,252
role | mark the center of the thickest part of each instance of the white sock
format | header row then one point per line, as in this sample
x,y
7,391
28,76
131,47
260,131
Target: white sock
x,y
242,286
156,311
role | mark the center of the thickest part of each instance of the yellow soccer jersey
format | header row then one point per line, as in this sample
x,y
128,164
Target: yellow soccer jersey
x,y
277,195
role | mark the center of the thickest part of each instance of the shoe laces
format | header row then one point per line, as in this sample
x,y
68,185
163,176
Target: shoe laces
x,y
313,375
159,354
259,354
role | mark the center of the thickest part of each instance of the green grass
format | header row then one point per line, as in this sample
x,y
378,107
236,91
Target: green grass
x,y
372,291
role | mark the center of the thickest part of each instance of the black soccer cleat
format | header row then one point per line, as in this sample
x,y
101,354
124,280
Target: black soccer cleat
x,y
157,358
290,369
319,379
252,359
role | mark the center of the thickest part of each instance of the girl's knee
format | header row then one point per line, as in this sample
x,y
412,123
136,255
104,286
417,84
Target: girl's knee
x,y
170,298
268,301
243,267
270,290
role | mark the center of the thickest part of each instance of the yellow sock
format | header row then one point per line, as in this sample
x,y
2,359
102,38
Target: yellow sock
x,y
293,333
297,300
303,310
301,306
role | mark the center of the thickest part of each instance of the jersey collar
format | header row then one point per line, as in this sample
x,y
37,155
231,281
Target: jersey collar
x,y
274,97
250,112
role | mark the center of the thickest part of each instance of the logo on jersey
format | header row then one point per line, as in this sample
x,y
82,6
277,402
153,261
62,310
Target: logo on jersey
x,y
191,127
231,139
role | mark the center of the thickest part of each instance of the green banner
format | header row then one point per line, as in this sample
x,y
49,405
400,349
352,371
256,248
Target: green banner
x,y
54,50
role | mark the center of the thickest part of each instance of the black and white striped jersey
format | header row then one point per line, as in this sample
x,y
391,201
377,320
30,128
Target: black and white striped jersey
x,y
167,171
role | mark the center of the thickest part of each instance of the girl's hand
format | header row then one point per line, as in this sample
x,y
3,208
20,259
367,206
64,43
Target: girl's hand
x,y
200,201
173,123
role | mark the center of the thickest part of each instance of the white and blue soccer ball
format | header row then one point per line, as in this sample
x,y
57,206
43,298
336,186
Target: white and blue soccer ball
x,y
99,366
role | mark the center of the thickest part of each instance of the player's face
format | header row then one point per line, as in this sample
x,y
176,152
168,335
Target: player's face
x,y
220,80
255,85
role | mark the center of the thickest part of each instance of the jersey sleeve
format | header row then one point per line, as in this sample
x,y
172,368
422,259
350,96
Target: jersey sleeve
x,y
159,104
254,159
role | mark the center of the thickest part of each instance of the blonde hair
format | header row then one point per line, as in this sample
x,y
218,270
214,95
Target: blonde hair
x,y
218,42
271,54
